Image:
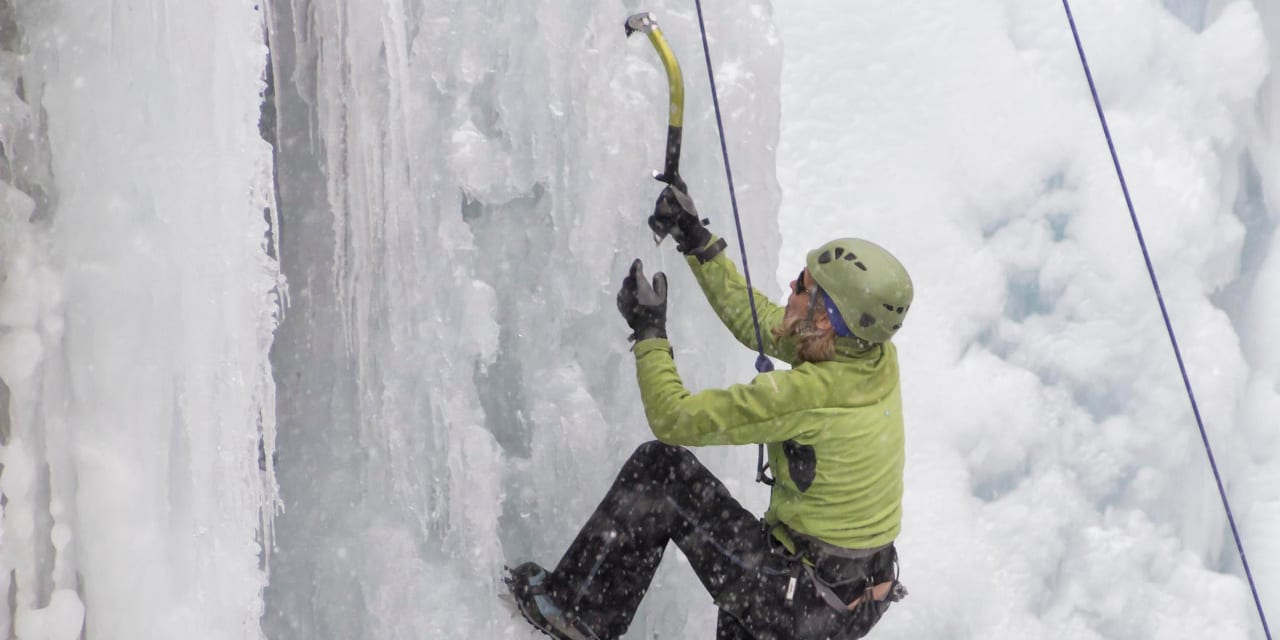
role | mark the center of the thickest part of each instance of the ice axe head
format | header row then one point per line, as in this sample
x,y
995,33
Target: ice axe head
x,y
639,22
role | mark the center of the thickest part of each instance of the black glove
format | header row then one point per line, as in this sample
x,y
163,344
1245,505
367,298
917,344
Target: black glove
x,y
644,306
674,214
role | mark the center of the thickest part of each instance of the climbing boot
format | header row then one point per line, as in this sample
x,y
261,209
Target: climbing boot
x,y
526,584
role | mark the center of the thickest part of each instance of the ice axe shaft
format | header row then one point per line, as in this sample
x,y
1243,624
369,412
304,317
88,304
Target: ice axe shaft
x,y
675,82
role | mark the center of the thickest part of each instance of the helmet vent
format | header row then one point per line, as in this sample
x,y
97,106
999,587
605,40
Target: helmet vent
x,y
861,266
888,307
825,257
866,320
839,252
897,326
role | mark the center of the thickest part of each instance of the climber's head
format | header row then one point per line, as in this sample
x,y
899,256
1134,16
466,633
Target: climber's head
x,y
849,288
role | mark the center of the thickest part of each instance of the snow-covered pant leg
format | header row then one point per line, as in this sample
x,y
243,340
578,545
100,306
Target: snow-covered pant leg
x,y
728,628
661,494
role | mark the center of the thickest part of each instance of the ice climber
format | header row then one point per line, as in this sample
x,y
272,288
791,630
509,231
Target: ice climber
x,y
821,563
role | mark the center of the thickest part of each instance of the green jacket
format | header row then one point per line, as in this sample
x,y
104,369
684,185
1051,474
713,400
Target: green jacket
x,y
833,429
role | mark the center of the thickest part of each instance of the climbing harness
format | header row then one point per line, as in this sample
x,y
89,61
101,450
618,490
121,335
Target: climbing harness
x,y
812,553
670,174
1164,311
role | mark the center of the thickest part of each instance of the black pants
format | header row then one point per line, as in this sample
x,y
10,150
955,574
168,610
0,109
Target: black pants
x,y
664,494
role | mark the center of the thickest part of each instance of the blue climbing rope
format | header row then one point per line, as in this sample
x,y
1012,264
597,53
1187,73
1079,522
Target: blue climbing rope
x,y
1164,311
763,363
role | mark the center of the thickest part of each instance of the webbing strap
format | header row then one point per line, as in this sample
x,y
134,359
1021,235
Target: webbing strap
x,y
1164,311
890,590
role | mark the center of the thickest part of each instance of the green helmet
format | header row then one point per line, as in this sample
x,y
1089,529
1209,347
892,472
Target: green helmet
x,y
869,287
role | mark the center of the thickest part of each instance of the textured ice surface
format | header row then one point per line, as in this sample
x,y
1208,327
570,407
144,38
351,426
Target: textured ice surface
x,y
455,386
139,303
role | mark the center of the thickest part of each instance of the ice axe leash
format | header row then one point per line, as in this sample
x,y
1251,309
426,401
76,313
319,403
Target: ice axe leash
x,y
671,170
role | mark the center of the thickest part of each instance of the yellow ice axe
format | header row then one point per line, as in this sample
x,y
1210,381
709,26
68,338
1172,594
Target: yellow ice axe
x,y
675,81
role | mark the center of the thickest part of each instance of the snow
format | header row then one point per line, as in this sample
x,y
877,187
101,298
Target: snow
x,y
192,448
1074,471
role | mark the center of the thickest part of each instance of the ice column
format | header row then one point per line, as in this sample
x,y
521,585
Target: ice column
x,y
139,302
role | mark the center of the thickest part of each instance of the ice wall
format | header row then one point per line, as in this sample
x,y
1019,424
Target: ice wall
x,y
137,302
463,185
1256,322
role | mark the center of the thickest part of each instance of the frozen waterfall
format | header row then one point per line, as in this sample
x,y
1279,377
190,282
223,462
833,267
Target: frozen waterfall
x,y
307,315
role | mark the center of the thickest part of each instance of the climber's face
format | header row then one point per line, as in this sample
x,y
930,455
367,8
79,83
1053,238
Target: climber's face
x,y
801,290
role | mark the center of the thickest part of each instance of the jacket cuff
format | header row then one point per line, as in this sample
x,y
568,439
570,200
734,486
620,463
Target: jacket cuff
x,y
714,247
711,250
651,344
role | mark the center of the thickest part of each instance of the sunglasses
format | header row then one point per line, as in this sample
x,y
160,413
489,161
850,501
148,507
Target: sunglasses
x,y
800,288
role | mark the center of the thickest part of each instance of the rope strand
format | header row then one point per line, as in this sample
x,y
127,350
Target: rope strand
x,y
1164,311
763,363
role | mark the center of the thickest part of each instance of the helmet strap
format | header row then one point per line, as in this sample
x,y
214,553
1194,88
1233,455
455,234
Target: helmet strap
x,y
833,313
